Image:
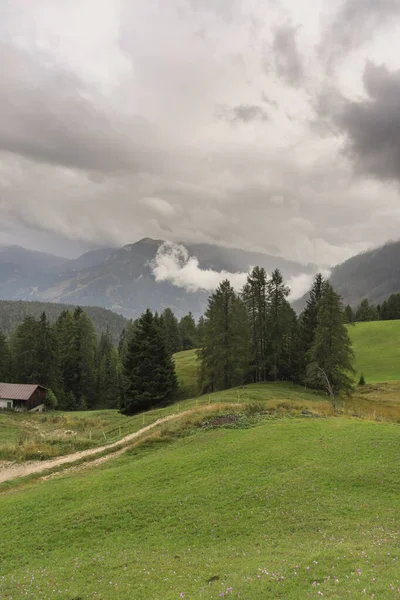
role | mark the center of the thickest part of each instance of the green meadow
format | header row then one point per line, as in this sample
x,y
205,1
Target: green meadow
x,y
289,508
257,492
377,348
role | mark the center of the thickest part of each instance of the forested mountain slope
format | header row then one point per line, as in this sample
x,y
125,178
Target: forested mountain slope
x,y
13,312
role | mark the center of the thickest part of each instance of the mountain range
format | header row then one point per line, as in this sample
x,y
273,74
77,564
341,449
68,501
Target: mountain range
x,y
124,279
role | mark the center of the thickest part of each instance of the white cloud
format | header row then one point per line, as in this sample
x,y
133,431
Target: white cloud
x,y
173,264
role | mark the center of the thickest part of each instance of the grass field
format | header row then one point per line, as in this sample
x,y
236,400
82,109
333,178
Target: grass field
x,y
186,369
377,349
289,509
40,436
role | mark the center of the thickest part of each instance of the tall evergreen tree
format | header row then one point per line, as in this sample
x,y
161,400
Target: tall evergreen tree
x,y
105,344
172,331
349,314
279,323
125,339
331,358
68,356
200,331
224,356
149,370
308,320
187,329
366,311
309,316
254,295
24,344
109,380
48,369
5,363
86,349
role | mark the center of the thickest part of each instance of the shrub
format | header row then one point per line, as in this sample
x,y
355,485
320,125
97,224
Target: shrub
x,y
362,380
51,401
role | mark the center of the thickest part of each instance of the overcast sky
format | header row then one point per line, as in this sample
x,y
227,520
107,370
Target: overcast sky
x,y
270,125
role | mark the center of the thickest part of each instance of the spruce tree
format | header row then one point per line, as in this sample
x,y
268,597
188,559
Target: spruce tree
x,y
309,316
172,331
366,311
85,342
224,355
5,362
349,314
279,323
149,370
331,358
187,330
24,344
254,295
48,369
67,350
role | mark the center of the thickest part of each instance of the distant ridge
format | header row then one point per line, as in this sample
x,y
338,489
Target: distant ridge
x,y
13,312
122,279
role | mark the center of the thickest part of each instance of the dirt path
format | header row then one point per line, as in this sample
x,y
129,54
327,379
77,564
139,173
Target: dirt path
x,y
13,471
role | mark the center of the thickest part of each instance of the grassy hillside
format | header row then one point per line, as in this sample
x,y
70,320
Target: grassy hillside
x,y
186,370
40,436
377,349
288,509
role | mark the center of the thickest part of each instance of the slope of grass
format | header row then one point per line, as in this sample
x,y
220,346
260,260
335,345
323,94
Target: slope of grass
x,y
289,509
377,349
27,436
186,370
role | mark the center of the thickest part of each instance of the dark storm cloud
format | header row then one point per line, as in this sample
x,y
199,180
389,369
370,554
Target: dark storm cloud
x,y
372,125
242,113
356,23
288,61
46,116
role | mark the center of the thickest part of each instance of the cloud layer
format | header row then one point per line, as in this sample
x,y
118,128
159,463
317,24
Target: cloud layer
x,y
269,126
174,264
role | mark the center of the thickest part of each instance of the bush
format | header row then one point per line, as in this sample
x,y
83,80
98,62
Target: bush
x,y
51,401
362,380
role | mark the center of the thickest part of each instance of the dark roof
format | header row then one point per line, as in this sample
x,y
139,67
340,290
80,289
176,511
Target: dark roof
x,y
18,391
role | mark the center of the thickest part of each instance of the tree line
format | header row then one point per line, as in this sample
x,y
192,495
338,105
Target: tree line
x,y
247,337
255,336
389,310
82,370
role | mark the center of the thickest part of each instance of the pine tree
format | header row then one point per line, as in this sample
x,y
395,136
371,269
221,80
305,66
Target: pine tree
x,y
48,369
5,363
24,352
126,338
187,330
67,352
149,371
278,323
331,358
366,311
172,331
309,316
200,331
105,344
349,314
254,295
224,356
85,342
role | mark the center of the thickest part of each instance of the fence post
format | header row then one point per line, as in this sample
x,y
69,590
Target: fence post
x,y
105,437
